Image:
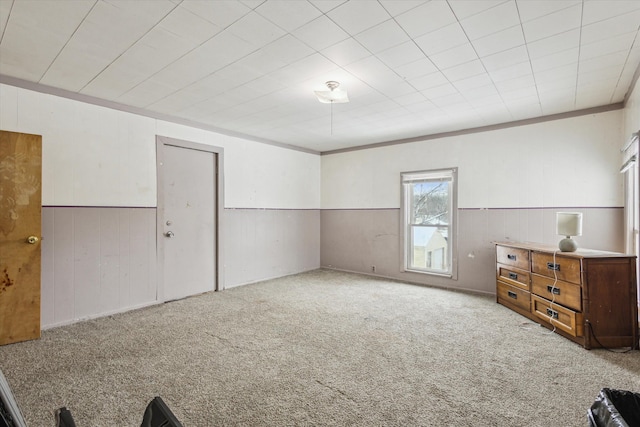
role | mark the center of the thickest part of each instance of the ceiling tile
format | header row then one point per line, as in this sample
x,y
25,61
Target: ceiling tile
x,y
490,21
447,99
402,54
527,92
382,36
455,56
466,70
108,30
320,33
559,84
435,92
5,8
314,67
326,5
558,73
220,12
500,41
552,24
516,83
426,18
595,11
288,15
617,59
505,58
511,71
474,82
287,49
373,71
193,29
610,27
414,69
428,81
554,44
532,9
598,76
555,61
622,42
201,62
442,39
255,30
356,16
346,52
146,93
396,7
466,8
410,99
42,29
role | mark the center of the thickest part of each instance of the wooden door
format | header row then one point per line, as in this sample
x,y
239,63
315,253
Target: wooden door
x,y
20,227
187,221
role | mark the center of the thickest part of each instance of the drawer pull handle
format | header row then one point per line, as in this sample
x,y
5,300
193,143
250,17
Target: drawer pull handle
x,y
511,257
512,295
552,313
553,290
513,276
552,266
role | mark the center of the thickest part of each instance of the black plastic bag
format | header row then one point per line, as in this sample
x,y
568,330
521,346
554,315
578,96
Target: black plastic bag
x,y
615,408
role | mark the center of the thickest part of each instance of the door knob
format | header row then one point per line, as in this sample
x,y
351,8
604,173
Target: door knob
x,y
32,240
169,234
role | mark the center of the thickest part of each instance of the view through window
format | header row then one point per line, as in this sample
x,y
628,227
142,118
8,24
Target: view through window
x,y
429,200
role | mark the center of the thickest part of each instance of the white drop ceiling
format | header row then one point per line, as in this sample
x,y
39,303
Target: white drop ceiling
x,y
411,68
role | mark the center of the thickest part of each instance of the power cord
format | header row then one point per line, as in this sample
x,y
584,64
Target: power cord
x,y
553,292
590,326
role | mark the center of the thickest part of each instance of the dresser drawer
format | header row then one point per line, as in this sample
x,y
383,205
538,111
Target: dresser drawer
x,y
510,295
565,293
514,257
567,269
558,316
513,276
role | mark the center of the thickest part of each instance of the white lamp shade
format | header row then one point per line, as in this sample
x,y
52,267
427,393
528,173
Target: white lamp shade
x,y
569,223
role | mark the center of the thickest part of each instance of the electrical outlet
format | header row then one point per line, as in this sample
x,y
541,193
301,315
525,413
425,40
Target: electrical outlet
x,y
373,268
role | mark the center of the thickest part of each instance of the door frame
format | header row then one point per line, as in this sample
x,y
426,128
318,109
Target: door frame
x,y
161,142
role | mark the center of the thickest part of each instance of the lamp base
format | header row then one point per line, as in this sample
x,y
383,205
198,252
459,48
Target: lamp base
x,y
568,245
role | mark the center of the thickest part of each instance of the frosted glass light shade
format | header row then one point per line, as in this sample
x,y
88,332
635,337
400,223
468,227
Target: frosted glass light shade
x,y
333,95
569,223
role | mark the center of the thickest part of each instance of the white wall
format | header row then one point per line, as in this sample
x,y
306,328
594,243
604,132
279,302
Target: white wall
x,y
259,175
96,156
569,162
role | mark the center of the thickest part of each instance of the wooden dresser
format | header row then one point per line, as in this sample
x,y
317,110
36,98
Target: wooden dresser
x,y
587,296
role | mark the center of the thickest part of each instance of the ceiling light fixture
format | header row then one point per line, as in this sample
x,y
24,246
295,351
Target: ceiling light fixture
x,y
332,96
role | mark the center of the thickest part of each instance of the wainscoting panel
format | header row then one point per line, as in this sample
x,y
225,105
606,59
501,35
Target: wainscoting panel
x,y
96,261
360,239
263,244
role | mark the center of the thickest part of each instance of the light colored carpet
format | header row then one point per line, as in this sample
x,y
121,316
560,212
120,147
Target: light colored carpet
x,y
322,348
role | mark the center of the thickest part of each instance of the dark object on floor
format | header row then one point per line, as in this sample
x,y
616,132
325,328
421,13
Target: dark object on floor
x,y
64,418
615,408
158,414
10,415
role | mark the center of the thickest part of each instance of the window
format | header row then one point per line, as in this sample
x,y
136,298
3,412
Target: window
x,y
429,206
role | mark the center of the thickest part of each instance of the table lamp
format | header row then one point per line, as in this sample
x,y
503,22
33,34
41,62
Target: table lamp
x,y
568,224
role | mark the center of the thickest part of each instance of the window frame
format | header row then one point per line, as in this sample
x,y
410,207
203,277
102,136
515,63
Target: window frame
x,y
406,178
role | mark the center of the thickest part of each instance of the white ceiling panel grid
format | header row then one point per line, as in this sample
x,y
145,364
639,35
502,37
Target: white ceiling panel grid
x,y
412,68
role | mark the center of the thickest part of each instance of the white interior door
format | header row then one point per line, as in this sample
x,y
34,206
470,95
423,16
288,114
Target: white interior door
x,y
187,222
